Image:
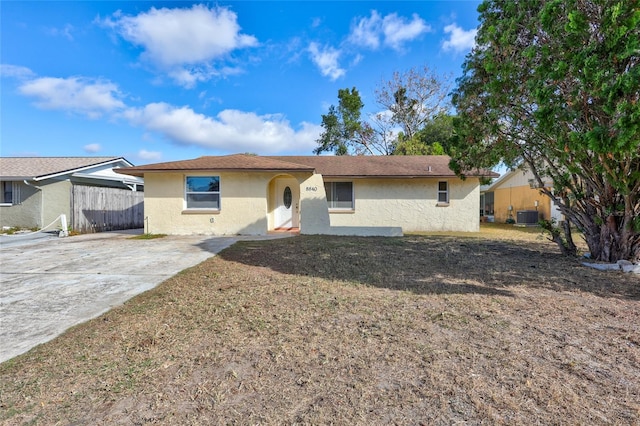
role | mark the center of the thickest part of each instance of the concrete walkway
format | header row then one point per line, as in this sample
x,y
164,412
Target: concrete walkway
x,y
49,284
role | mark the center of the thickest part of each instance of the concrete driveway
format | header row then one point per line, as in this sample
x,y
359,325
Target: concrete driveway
x,y
49,284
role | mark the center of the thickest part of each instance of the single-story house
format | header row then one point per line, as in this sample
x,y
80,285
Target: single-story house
x,y
37,190
516,196
341,195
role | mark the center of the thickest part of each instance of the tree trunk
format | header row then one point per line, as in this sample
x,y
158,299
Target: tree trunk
x,y
616,240
570,245
565,244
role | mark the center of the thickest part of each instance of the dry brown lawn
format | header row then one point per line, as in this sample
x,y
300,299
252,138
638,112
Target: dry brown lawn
x,y
495,328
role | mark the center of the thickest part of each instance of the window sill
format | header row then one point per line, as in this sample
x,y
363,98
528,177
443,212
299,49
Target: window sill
x,y
201,211
5,204
342,211
442,204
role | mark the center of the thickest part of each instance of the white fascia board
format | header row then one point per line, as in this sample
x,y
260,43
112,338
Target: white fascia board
x,y
118,178
91,166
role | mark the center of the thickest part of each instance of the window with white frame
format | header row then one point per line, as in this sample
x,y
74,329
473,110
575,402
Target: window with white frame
x,y
202,192
339,195
10,192
443,192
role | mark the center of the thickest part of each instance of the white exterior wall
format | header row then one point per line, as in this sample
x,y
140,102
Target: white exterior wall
x,y
412,205
518,178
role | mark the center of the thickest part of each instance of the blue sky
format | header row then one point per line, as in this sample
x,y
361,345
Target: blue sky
x,y
161,81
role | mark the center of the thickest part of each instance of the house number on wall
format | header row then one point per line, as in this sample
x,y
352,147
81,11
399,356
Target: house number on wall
x,y
312,188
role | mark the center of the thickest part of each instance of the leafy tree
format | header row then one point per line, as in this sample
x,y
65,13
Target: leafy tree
x,y
415,146
344,131
435,138
555,85
407,102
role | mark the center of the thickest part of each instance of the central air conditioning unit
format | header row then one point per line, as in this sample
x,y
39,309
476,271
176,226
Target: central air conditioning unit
x,y
527,217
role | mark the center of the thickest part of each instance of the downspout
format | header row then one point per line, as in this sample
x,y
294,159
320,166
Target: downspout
x,y
41,201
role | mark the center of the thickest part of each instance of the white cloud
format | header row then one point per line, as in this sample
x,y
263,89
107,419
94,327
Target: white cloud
x,y
184,42
92,148
143,154
85,96
366,31
326,59
372,32
393,29
63,32
190,77
459,39
356,60
15,71
230,130
397,30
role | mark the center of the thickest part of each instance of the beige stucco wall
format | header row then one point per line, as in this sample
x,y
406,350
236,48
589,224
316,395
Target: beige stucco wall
x,y
411,204
383,206
314,211
246,205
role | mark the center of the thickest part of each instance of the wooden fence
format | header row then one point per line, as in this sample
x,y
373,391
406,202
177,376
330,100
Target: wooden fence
x,y
98,209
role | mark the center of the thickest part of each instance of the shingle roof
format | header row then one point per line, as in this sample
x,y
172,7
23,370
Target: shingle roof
x,y
330,166
35,167
236,162
377,165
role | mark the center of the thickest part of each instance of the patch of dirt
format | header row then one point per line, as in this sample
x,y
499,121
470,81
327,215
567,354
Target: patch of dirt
x,y
315,329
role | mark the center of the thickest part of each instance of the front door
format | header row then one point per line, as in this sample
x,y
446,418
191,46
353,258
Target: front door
x,y
286,212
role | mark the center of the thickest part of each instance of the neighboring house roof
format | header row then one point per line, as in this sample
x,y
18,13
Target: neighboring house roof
x,y
508,176
497,182
329,166
39,168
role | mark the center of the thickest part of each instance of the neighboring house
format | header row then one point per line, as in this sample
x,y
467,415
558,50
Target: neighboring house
x,y
37,190
342,195
515,195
